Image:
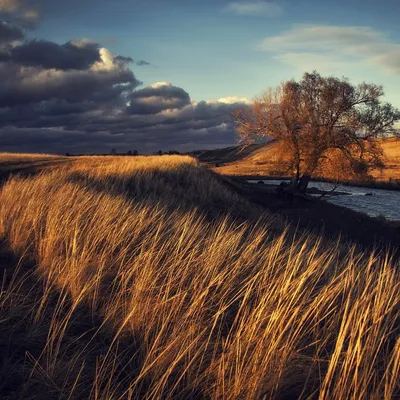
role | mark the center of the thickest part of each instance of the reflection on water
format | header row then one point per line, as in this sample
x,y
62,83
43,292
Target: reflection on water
x,y
379,202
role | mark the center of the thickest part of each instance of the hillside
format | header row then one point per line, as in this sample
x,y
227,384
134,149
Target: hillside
x,y
265,160
226,155
149,277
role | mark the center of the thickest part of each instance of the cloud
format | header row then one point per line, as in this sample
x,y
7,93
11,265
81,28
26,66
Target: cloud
x,y
232,100
90,125
122,59
157,98
10,32
49,55
142,63
23,11
255,7
95,125
79,97
10,5
32,85
62,128
334,45
130,60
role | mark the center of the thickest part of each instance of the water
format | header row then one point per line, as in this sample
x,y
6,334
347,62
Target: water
x,y
382,202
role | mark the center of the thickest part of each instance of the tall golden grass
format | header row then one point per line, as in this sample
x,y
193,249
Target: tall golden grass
x,y
131,278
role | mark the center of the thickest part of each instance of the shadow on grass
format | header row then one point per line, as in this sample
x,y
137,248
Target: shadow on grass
x,y
51,348
186,189
26,168
227,155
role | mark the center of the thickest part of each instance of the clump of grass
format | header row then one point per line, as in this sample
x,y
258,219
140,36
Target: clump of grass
x,y
147,278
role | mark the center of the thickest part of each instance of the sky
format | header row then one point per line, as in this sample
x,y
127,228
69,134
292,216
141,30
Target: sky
x,y
85,76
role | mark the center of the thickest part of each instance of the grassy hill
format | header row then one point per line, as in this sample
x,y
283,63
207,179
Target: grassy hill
x,y
148,277
266,160
228,154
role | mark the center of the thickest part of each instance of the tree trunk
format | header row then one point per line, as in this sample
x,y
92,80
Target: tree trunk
x,y
303,183
295,178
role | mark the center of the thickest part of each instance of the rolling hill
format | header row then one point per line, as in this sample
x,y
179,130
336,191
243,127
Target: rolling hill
x,y
264,160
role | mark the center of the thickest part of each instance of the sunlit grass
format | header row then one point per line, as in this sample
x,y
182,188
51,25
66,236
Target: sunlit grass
x,y
13,157
149,278
271,160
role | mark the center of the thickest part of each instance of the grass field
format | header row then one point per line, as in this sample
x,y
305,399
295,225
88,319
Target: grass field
x,y
17,163
148,277
267,160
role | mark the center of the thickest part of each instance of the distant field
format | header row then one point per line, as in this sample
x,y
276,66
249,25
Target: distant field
x,y
265,160
149,278
17,163
24,157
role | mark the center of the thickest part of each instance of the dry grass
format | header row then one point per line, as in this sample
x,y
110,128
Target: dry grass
x,y
267,160
18,157
147,278
12,163
391,148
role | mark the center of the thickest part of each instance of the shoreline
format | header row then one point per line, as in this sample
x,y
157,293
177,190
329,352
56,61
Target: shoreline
x,y
370,185
324,218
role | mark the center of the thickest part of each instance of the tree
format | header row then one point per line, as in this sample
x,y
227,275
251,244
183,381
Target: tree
x,y
317,114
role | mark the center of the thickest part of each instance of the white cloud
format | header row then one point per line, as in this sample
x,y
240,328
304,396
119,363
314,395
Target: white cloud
x,y
230,100
255,7
157,85
326,46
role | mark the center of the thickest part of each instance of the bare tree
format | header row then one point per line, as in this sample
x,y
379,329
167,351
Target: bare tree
x,y
317,114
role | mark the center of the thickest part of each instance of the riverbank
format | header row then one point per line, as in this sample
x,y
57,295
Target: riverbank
x,y
372,184
323,218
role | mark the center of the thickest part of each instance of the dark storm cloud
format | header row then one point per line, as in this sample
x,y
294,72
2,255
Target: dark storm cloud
x,y
50,55
130,60
80,116
61,127
89,126
10,32
78,97
122,59
142,63
92,140
35,85
155,99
